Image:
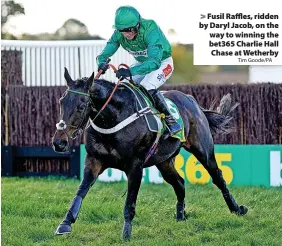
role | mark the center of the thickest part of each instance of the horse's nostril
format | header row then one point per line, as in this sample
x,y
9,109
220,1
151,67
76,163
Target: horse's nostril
x,y
62,143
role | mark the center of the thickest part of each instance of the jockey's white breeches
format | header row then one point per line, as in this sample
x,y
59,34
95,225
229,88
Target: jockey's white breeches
x,y
156,78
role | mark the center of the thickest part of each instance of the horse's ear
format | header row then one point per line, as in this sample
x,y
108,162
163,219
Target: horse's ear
x,y
90,81
68,77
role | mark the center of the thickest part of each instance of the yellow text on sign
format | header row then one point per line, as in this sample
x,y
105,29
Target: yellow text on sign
x,y
193,168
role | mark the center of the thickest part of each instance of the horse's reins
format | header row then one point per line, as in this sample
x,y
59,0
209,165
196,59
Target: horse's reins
x,y
116,86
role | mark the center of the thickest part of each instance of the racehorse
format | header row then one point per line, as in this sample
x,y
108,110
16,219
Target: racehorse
x,y
126,147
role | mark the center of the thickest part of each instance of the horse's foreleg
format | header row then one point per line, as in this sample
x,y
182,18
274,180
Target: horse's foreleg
x,y
171,176
134,182
91,171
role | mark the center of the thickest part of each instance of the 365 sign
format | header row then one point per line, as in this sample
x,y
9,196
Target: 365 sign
x,y
193,171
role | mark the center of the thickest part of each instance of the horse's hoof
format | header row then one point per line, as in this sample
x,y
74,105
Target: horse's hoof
x,y
180,211
181,216
180,219
242,210
63,228
126,232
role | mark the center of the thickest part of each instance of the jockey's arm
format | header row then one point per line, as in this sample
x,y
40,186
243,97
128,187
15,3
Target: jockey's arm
x,y
155,53
109,50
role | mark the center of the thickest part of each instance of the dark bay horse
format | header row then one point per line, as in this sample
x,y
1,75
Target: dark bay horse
x,y
126,148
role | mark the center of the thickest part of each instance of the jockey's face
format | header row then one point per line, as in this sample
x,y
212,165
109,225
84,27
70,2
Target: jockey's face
x,y
129,35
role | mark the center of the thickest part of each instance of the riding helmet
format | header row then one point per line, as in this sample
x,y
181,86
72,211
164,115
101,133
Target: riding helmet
x,y
126,17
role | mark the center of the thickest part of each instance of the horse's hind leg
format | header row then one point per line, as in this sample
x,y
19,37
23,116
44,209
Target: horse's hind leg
x,y
207,159
91,171
172,177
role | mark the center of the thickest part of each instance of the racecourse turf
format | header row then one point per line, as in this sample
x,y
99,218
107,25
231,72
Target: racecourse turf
x,y
32,208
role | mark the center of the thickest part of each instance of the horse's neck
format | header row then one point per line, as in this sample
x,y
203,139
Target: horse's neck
x,y
119,106
100,92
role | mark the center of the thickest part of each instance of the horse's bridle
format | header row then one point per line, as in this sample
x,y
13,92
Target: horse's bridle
x,y
61,125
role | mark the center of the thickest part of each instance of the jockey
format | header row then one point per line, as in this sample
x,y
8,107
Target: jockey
x,y
144,40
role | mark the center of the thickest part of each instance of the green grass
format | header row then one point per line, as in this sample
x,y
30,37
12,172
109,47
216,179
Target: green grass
x,y
32,208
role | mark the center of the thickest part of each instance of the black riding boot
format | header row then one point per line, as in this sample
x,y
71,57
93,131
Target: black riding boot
x,y
161,106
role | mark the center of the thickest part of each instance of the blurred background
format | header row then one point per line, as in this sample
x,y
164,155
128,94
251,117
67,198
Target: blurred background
x,y
44,20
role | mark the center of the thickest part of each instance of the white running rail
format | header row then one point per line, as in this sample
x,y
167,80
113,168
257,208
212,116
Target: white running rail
x,y
43,62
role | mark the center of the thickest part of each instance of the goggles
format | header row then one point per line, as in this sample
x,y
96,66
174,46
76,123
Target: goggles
x,y
129,29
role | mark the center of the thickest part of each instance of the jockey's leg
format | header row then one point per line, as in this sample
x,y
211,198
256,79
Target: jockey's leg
x,y
161,106
152,82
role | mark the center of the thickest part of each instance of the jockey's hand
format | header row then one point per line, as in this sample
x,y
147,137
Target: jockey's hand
x,y
123,73
104,67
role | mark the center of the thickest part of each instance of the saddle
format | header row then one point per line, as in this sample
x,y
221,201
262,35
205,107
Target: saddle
x,y
154,120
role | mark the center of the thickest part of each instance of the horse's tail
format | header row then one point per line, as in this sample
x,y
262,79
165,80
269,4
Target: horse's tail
x,y
220,119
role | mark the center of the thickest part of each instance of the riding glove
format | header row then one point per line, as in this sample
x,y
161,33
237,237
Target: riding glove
x,y
123,73
104,67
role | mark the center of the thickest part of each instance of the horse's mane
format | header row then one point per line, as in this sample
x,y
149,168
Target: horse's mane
x,y
79,83
108,85
104,82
